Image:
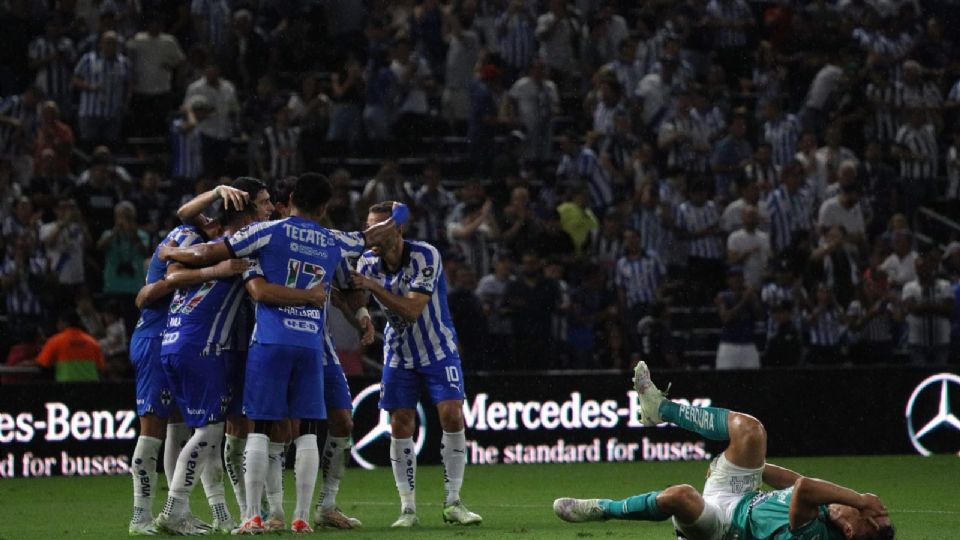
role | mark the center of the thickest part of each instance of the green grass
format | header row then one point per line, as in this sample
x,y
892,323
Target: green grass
x,y
515,500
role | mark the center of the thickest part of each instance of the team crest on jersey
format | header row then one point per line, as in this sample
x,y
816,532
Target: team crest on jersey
x,y
165,397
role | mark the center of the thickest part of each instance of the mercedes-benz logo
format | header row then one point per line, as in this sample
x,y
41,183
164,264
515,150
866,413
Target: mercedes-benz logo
x,y
382,427
943,419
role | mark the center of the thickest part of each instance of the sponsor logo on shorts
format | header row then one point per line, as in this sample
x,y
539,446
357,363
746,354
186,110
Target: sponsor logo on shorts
x,y
172,337
301,325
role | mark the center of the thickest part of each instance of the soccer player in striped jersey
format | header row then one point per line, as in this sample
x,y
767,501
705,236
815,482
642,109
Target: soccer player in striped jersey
x,y
152,390
104,78
420,347
731,505
284,377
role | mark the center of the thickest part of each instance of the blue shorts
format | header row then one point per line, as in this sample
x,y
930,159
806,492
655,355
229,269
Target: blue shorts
x,y
199,384
400,388
336,392
153,389
283,381
236,366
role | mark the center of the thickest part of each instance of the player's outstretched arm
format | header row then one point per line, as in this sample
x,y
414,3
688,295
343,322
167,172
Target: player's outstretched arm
x,y
356,301
810,493
270,293
179,276
191,213
409,307
779,477
196,255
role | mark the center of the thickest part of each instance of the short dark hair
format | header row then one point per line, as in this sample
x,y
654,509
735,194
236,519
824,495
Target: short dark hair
x,y
312,192
70,317
383,207
284,189
250,185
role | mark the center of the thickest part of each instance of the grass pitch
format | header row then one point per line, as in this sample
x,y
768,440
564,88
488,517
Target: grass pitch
x,y
515,500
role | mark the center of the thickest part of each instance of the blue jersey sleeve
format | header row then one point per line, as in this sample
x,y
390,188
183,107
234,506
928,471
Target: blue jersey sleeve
x,y
249,240
351,243
426,263
252,271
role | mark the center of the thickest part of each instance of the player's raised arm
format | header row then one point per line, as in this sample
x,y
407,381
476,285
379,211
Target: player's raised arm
x,y
179,277
810,493
191,213
204,254
779,477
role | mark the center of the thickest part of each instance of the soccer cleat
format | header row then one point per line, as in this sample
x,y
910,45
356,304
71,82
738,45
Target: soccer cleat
x,y
224,527
143,528
274,523
578,510
650,395
200,525
300,526
457,513
406,520
251,526
335,519
179,525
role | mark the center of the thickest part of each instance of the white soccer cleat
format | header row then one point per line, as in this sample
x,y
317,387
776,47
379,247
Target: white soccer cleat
x,y
224,527
406,520
578,510
251,526
334,518
650,395
457,513
179,526
143,528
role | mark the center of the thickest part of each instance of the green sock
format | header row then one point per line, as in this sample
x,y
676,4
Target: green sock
x,y
711,422
636,508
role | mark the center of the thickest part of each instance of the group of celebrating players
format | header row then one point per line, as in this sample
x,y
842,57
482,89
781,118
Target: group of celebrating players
x,y
232,344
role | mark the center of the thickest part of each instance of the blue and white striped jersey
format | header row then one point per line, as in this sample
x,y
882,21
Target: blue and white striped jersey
x,y
186,152
639,278
113,77
13,140
203,316
297,253
341,281
693,219
782,135
153,317
517,41
54,77
827,329
788,213
432,337
216,16
586,168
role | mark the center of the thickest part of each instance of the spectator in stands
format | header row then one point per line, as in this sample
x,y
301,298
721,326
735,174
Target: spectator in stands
x,y
23,354
55,135
790,208
638,277
784,343
761,169
186,142
104,78
826,322
578,220
531,301
485,119
605,243
515,32
924,96
627,68
246,55
18,123
781,131
22,221
835,263
536,101
415,83
900,266
463,53
654,92
552,241
518,223
749,191
217,129
154,207
98,196
749,248
844,210
123,246
730,155
472,229
211,20
468,315
432,204
22,280
609,104
873,320
342,207
348,89
559,33
730,21
684,138
72,353
698,223
154,56
579,166
491,290
817,104
620,153
47,183
880,187
785,287
929,305
114,343
279,150
739,309
830,160
387,185
52,58
916,147
66,241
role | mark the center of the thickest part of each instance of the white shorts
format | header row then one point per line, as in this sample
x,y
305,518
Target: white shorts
x,y
725,487
738,356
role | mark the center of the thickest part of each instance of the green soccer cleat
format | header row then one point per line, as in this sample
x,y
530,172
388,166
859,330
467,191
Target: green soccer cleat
x,y
406,520
458,514
143,528
650,395
578,510
180,525
224,527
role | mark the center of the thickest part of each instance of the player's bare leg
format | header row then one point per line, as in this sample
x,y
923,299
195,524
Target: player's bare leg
x,y
403,459
333,462
453,447
144,471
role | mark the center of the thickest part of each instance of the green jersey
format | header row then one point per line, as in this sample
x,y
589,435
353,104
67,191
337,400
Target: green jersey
x,y
766,516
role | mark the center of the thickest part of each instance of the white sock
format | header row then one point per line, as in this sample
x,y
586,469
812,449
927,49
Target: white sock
x,y
233,463
276,455
332,463
306,467
177,435
403,458
453,447
144,471
190,466
212,477
255,472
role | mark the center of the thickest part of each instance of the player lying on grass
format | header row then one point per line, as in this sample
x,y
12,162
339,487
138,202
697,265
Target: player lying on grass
x,y
731,505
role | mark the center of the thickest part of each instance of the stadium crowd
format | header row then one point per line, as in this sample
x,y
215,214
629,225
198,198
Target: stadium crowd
x,y
605,179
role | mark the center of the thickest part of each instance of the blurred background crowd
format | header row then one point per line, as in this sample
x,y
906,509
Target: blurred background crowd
x,y
700,183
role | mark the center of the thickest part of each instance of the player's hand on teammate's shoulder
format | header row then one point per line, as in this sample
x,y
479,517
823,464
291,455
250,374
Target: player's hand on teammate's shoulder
x,y
230,267
361,281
